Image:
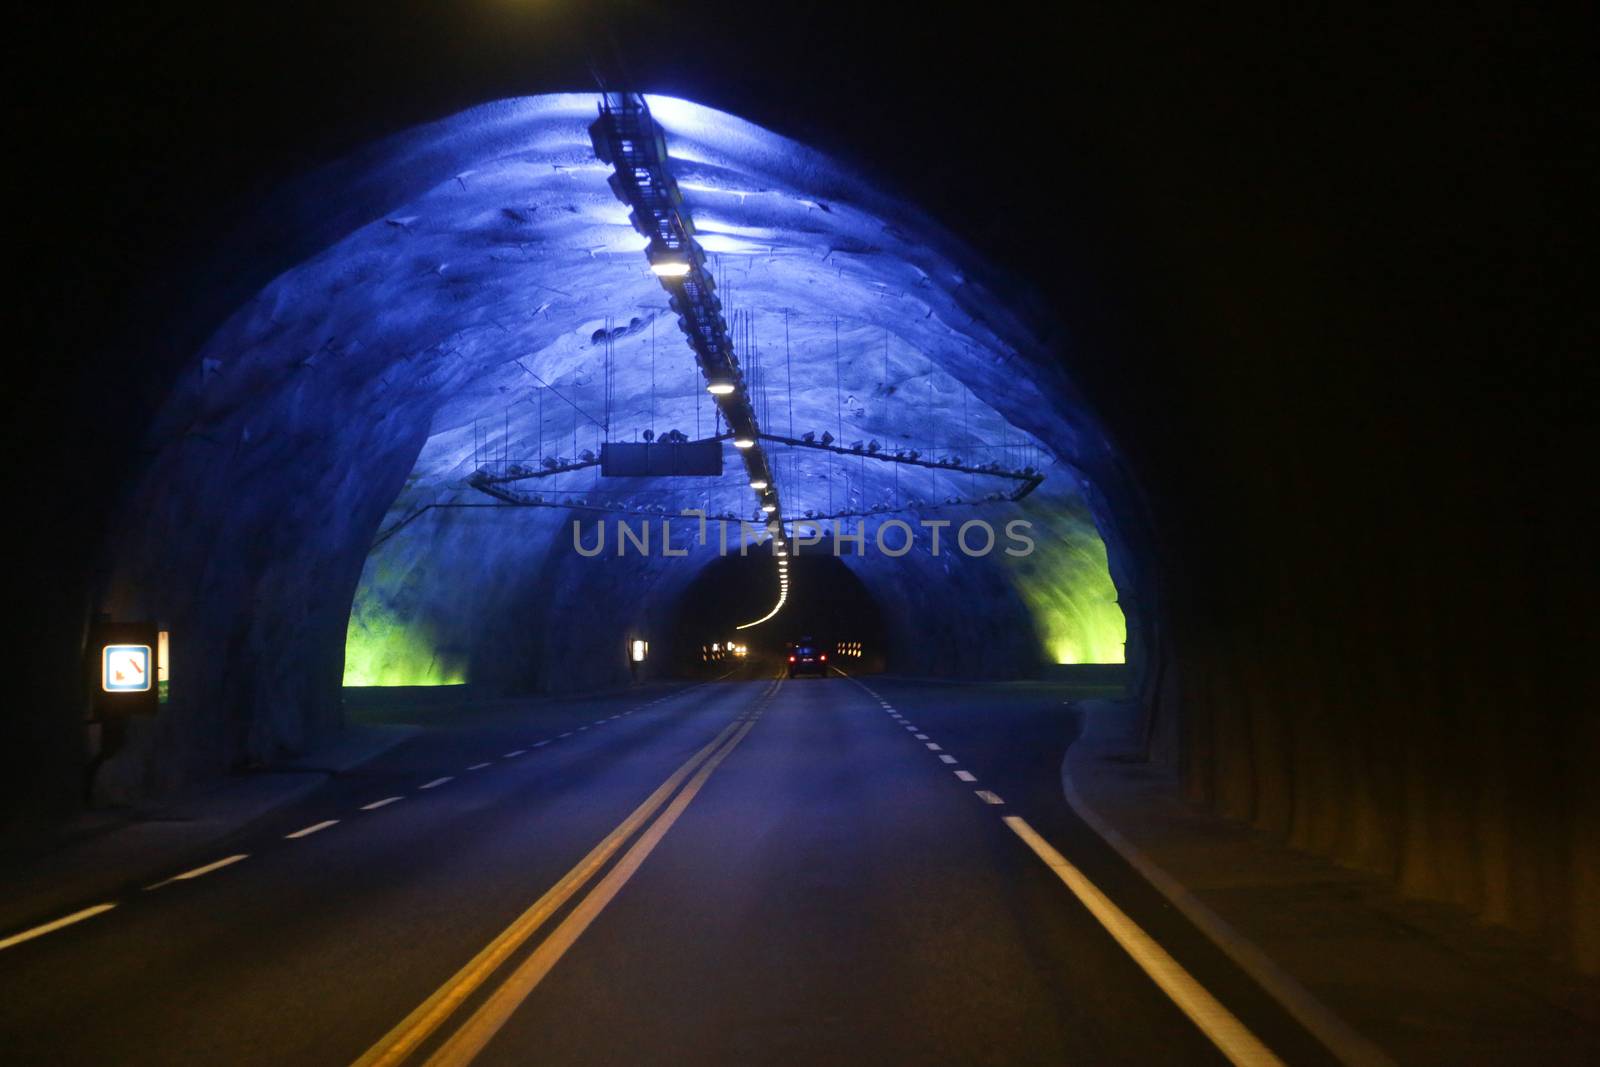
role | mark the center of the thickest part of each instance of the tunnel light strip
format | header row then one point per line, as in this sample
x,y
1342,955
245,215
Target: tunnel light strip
x,y
775,609
783,595
626,137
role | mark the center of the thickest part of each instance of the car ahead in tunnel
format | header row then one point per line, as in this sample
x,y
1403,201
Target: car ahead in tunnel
x,y
805,657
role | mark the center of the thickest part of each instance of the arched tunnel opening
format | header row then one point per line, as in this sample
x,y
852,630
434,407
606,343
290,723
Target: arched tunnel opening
x,y
406,430
828,604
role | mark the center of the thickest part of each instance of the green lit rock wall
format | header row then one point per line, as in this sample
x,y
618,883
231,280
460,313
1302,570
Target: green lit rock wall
x,y
1066,583
387,645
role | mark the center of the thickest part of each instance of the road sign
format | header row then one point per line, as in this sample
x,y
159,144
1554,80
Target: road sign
x,y
126,668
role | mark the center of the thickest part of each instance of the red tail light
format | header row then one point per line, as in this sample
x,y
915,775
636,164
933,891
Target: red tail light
x,y
791,659
823,657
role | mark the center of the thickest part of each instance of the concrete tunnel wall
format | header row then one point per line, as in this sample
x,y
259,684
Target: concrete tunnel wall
x,y
1418,743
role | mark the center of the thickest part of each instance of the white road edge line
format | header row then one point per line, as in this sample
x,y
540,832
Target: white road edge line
x,y
376,804
1347,1044
307,831
226,861
438,782
1220,1025
55,924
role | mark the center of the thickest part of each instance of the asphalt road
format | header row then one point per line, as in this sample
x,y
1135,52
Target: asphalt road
x,y
744,872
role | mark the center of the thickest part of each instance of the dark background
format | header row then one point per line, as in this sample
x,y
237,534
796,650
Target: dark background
x,y
1320,275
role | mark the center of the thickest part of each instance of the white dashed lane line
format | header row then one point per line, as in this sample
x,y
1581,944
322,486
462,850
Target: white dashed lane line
x,y
1229,1035
305,831
934,746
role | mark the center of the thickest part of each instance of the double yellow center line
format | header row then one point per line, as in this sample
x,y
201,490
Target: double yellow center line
x,y
470,1038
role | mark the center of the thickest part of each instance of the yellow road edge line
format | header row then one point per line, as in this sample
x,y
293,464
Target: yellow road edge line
x,y
1219,1024
55,924
464,1045
226,861
415,1028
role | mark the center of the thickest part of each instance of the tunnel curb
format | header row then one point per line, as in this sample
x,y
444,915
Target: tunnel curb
x,y
1318,1019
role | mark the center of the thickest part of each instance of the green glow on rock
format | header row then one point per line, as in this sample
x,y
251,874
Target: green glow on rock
x,y
1067,584
384,648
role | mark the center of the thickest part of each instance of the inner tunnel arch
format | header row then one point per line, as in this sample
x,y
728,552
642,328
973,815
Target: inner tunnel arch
x,y
312,457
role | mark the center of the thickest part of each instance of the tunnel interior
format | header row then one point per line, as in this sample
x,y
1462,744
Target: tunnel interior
x,y
470,300
1328,321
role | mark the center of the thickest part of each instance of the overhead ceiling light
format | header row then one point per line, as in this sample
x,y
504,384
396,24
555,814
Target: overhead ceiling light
x,y
670,262
719,387
769,508
758,485
744,442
